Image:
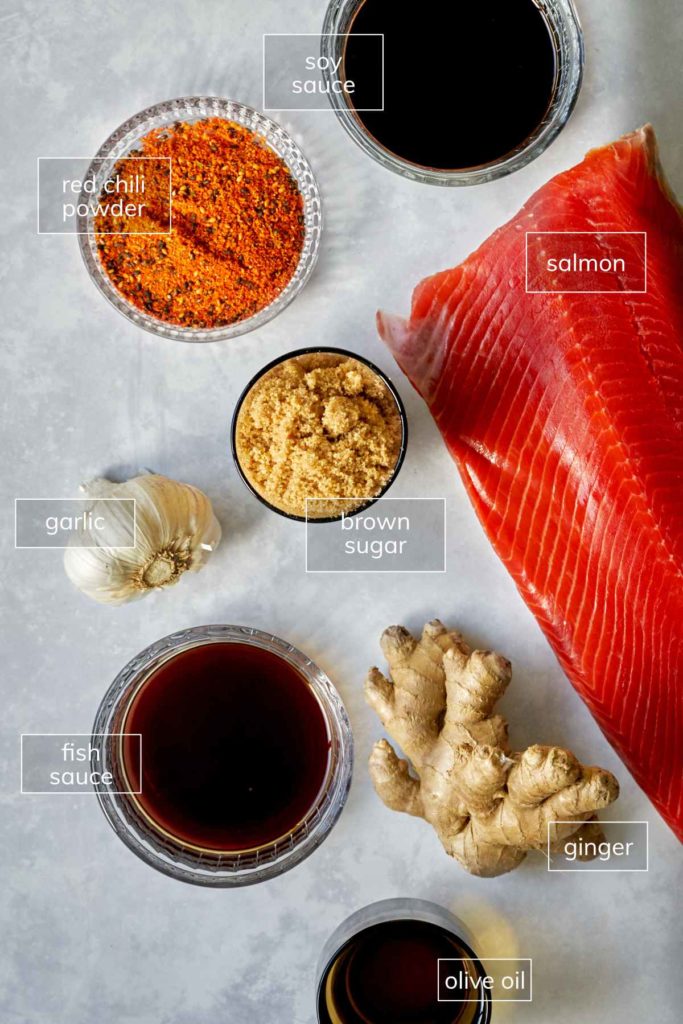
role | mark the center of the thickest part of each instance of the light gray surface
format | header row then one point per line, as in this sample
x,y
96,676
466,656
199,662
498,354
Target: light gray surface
x,y
89,933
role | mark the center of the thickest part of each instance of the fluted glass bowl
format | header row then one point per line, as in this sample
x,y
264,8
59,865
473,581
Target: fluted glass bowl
x,y
565,28
196,108
159,849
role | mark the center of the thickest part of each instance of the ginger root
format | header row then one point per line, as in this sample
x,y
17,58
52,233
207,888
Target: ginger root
x,y
487,805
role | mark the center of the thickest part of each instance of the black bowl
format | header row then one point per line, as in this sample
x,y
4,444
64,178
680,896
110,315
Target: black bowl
x,y
333,351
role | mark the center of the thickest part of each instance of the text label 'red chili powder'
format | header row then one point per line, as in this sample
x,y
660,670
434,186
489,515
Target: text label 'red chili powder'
x,y
237,227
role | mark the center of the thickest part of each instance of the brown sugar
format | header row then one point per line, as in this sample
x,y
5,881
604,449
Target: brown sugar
x,y
319,426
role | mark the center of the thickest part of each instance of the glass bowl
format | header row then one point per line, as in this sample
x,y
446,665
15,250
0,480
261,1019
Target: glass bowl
x,y
400,909
333,351
197,108
565,28
172,857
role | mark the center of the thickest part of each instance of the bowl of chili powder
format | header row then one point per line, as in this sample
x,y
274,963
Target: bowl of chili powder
x,y
228,226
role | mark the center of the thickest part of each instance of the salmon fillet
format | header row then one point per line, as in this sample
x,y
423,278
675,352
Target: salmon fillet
x,y
564,414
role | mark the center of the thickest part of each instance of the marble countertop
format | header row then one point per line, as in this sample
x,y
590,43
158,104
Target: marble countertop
x,y
88,931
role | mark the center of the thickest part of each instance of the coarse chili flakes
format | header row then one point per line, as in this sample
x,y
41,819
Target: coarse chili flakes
x,y
237,226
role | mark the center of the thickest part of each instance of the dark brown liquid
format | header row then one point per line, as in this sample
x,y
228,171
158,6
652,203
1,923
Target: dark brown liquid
x,y
465,82
388,974
235,747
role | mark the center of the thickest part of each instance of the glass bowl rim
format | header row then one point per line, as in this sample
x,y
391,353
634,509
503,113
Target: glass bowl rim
x,y
554,120
332,350
303,840
191,109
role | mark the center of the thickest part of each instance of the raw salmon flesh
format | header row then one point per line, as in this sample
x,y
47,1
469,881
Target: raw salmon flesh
x,y
564,414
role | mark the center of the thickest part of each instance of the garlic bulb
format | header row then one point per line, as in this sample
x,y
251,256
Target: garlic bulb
x,y
175,532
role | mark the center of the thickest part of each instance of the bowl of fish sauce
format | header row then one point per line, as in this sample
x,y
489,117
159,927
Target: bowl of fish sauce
x,y
456,94
231,754
203,219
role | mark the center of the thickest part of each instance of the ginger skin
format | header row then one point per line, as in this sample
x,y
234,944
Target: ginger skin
x,y
487,805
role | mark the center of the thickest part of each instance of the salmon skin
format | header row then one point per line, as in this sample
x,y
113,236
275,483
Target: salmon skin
x,y
564,414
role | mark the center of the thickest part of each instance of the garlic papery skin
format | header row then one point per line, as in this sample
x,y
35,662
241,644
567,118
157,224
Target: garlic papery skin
x,y
176,531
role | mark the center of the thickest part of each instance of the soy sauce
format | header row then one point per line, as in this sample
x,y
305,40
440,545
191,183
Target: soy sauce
x,y
388,974
465,82
235,747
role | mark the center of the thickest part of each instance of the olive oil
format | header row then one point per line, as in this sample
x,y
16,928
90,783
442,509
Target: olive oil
x,y
388,974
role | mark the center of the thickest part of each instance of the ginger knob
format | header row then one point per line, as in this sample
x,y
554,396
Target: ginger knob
x,y
488,805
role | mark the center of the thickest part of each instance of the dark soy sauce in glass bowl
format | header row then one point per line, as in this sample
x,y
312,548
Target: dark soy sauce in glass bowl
x,y
465,83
